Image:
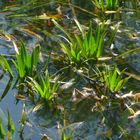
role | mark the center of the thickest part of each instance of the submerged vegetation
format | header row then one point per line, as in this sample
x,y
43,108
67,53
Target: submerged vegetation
x,y
74,65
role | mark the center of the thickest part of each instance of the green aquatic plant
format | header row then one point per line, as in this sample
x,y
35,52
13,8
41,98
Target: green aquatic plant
x,y
112,78
8,86
22,121
80,48
45,89
2,131
64,137
106,4
26,63
10,129
91,46
5,65
10,125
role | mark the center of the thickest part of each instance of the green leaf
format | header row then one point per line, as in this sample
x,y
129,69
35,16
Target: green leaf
x,y
119,85
62,29
6,88
5,65
35,57
113,79
10,125
80,27
109,133
2,131
9,136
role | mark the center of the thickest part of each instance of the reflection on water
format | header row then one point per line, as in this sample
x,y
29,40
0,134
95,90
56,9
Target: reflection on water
x,y
129,37
9,103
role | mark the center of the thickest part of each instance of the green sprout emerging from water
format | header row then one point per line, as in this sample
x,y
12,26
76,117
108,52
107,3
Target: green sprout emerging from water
x,y
64,137
10,128
2,131
45,89
112,78
80,48
106,4
26,63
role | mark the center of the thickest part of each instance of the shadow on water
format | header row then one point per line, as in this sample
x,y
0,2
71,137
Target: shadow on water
x,y
9,103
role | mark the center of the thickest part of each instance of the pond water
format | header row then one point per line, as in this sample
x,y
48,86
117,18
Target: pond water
x,y
78,117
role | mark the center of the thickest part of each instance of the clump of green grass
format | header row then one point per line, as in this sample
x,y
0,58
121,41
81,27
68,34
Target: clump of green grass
x,y
26,63
45,89
10,128
112,78
80,48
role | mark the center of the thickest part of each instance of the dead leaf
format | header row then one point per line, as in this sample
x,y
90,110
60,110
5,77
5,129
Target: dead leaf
x,y
20,97
38,106
134,115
